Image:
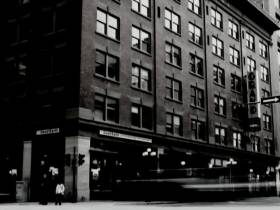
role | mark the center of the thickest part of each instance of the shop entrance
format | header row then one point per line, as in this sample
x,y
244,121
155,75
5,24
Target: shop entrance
x,y
47,166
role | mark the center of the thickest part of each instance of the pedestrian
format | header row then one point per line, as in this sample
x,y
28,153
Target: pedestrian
x,y
44,191
59,192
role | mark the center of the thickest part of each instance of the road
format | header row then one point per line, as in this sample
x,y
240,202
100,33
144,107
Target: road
x,y
251,203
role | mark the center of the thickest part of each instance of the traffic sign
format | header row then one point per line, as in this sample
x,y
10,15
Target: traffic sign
x,y
270,100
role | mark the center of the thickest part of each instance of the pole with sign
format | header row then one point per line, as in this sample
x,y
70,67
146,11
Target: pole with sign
x,y
270,100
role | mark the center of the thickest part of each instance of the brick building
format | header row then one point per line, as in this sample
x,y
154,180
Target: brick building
x,y
135,89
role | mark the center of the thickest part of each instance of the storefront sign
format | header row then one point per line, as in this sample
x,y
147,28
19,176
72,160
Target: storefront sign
x,y
124,136
253,99
47,131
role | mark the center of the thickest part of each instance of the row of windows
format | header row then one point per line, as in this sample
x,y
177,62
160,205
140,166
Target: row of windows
x,y
107,66
108,25
107,109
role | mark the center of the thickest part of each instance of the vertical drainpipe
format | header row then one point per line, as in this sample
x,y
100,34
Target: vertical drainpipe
x,y
205,70
155,68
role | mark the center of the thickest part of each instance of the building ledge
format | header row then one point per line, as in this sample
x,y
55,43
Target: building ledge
x,y
257,14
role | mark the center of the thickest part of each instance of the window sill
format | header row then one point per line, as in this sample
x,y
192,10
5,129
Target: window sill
x,y
107,122
107,37
221,29
197,75
140,128
106,79
138,13
142,52
220,115
253,50
235,91
199,15
265,81
173,100
144,91
216,55
220,85
236,39
197,107
236,65
196,44
168,29
171,64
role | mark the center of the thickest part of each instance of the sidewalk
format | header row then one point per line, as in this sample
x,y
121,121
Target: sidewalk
x,y
259,203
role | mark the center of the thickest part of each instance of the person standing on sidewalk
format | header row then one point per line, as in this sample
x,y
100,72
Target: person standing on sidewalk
x,y
59,192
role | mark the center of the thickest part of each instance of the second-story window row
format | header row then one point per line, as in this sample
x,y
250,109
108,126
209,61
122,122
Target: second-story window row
x,y
106,108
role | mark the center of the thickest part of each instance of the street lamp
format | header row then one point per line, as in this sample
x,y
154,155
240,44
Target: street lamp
x,y
230,163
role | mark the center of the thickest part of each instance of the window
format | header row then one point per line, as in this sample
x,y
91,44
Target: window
x,y
236,110
195,34
195,6
235,83
217,47
268,146
267,122
216,19
18,31
264,74
106,65
172,54
220,105
174,89
141,78
173,124
106,108
196,65
172,21
263,49
250,41
141,116
107,24
142,7
255,142
234,56
197,97
219,75
198,129
141,39
220,135
233,29
236,138
251,64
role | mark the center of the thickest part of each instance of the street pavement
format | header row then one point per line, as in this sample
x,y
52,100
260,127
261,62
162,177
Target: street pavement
x,y
249,203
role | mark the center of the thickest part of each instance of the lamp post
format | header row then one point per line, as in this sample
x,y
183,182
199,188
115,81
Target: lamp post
x,y
230,163
150,153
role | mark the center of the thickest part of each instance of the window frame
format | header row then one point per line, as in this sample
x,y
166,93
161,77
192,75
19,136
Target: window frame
x,y
140,8
196,100
196,127
140,79
107,56
192,5
140,39
217,47
171,22
214,19
172,89
107,26
231,30
193,36
172,54
219,75
172,124
220,105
